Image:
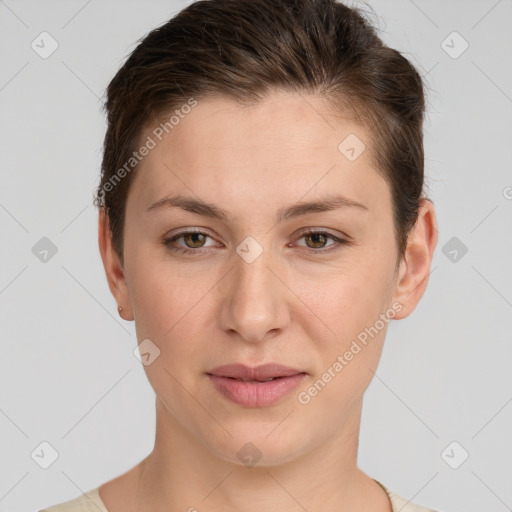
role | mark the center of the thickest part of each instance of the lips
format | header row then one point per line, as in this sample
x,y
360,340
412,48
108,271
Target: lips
x,y
260,386
261,373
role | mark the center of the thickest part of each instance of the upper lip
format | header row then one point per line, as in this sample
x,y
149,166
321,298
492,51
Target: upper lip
x,y
265,371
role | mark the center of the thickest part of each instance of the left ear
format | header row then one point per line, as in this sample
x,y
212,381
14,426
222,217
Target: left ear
x,y
414,268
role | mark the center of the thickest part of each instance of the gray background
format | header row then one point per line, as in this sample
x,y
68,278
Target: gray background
x,y
68,374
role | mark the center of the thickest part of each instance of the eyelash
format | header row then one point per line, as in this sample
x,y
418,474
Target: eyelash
x,y
334,247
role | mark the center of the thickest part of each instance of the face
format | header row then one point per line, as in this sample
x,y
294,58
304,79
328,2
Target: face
x,y
263,281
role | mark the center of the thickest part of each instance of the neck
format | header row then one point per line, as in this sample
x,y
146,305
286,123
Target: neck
x,y
182,474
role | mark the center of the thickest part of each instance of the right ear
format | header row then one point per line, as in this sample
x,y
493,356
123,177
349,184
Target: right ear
x,y
113,268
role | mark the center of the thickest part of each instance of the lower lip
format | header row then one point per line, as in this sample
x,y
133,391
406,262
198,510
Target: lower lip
x,y
256,394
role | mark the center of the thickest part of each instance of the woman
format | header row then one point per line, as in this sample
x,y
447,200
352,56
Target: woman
x,y
262,220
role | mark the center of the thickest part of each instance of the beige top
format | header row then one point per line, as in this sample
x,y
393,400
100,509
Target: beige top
x,y
91,502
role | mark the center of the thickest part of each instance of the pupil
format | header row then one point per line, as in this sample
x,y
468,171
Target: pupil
x,y
315,237
195,235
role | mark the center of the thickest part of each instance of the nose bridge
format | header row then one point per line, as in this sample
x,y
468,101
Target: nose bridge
x,y
255,304
254,277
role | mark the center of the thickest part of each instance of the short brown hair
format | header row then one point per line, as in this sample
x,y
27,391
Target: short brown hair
x,y
245,49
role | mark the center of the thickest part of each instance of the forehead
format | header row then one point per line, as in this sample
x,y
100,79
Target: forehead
x,y
291,142
285,122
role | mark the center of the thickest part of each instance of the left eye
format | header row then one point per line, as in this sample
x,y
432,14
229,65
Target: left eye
x,y
321,237
195,240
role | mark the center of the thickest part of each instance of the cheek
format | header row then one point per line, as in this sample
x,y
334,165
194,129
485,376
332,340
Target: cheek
x,y
354,305
157,291
347,365
170,306
167,309
347,299
169,312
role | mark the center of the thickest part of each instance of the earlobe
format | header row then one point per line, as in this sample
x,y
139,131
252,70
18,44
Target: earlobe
x,y
113,269
414,269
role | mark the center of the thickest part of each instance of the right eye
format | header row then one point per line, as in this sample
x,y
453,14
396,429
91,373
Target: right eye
x,y
194,240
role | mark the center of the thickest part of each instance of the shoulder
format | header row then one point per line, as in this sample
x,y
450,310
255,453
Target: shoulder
x,y
90,501
399,503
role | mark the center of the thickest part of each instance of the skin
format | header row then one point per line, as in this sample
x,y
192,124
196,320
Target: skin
x,y
291,305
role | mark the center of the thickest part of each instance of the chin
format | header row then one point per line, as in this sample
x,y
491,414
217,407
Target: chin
x,y
261,446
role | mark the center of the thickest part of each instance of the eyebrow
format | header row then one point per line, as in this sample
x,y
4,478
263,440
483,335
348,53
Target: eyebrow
x,y
296,210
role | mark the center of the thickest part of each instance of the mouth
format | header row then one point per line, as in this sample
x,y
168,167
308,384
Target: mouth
x,y
255,387
260,373
255,380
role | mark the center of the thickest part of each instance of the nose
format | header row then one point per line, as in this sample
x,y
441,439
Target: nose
x,y
254,299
